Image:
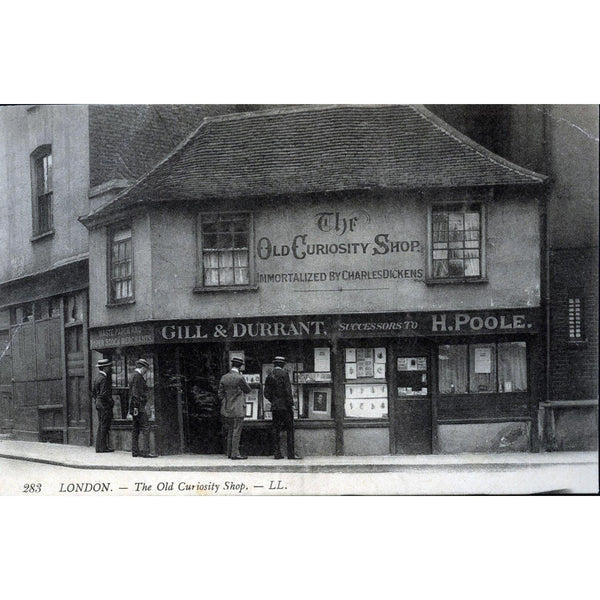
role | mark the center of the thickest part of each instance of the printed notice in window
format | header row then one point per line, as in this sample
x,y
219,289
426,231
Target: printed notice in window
x,y
483,360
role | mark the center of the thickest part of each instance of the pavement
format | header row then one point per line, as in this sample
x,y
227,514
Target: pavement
x,y
78,457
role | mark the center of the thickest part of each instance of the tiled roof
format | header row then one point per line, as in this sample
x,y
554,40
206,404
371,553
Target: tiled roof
x,y
297,150
128,139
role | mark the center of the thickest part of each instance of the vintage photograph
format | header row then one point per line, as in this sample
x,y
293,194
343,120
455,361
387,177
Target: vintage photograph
x,y
290,299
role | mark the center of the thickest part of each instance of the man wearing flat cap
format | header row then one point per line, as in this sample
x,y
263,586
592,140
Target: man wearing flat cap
x,y
138,396
102,396
232,393
278,390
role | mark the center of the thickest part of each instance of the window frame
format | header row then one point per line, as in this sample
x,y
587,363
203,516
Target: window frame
x,y
437,205
39,154
111,232
576,319
200,286
468,344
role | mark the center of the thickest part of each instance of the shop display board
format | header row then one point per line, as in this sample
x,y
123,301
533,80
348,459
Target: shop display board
x,y
366,399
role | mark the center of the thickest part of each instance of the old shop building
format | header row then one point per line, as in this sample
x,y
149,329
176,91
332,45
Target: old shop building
x,y
394,262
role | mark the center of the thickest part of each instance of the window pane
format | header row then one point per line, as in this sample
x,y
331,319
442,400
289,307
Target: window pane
x,y
226,276
225,259
211,276
452,369
482,368
440,268
211,260
456,268
512,367
241,258
241,276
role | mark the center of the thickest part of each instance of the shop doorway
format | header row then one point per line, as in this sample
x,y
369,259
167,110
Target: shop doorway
x,y
412,403
202,427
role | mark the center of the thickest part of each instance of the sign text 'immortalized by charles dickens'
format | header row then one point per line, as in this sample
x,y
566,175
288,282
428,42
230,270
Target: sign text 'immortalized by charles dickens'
x,y
306,247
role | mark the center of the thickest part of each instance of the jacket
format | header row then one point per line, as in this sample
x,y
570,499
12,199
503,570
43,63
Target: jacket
x,y
138,392
102,391
278,390
232,393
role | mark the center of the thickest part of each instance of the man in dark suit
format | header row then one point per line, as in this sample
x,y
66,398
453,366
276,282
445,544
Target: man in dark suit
x,y
102,396
278,390
138,393
232,393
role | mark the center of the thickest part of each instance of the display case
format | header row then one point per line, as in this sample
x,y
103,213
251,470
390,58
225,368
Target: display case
x,y
366,389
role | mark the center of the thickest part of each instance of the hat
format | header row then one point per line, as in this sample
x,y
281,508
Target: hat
x,y
279,359
104,362
236,360
142,363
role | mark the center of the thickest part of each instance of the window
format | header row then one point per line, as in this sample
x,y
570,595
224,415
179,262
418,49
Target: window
x,y
576,332
41,161
490,368
121,268
225,250
366,390
456,242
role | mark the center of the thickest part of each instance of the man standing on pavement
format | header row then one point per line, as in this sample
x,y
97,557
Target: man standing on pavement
x,y
102,396
138,392
278,390
232,393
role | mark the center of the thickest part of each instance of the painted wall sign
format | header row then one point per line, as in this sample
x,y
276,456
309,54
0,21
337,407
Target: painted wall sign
x,y
341,247
320,327
214,331
125,335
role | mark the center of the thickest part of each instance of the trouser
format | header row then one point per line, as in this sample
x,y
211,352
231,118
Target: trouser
x,y
141,425
234,433
283,420
104,422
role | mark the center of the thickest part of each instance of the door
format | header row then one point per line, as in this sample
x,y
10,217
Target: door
x,y
201,407
412,403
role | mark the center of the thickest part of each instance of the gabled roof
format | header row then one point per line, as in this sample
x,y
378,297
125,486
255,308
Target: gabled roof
x,y
308,149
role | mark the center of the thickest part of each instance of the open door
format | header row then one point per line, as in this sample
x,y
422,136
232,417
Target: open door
x,y
412,403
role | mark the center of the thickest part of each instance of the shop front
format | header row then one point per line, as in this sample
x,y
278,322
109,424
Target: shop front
x,y
403,383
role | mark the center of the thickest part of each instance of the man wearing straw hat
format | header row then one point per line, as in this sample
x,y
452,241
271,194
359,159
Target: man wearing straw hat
x,y
138,391
232,393
102,396
278,390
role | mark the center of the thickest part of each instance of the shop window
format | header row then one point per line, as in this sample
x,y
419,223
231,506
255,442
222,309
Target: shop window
x,y
482,368
309,370
121,265
456,242
366,390
225,241
41,163
452,361
575,307
512,367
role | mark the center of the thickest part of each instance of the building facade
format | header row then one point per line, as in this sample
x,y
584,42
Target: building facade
x,y
57,162
560,141
394,262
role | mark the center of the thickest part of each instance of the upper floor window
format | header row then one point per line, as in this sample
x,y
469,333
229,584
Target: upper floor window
x,y
576,332
225,249
41,161
456,236
120,265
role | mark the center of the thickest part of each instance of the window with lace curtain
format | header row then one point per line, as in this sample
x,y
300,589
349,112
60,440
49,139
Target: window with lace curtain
x,y
456,242
482,368
225,250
